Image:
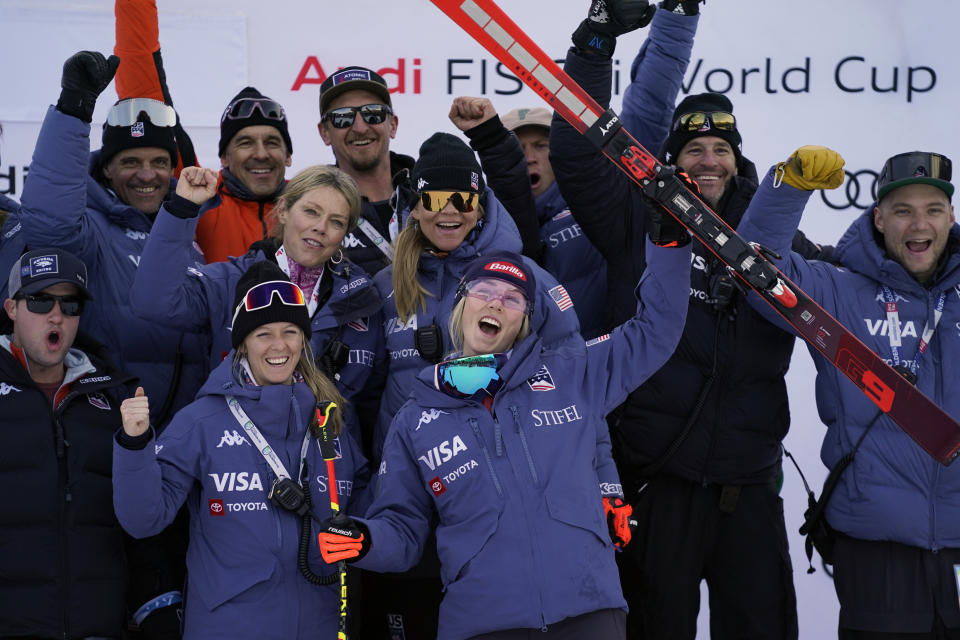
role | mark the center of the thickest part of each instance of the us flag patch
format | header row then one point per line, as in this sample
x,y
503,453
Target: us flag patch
x,y
360,324
598,339
542,380
136,130
561,297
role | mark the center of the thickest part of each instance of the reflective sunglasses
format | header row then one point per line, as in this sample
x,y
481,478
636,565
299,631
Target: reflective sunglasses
x,y
487,291
463,377
43,303
697,120
261,296
244,108
435,201
126,113
344,117
915,166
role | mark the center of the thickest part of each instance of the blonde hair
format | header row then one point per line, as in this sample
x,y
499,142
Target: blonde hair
x,y
323,389
409,295
455,326
320,175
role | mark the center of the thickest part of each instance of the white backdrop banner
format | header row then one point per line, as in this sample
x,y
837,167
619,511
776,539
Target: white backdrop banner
x,y
868,78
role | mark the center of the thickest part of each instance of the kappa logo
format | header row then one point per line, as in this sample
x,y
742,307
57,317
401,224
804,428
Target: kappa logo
x,y
233,439
421,183
542,380
353,242
444,452
7,388
99,401
427,417
157,448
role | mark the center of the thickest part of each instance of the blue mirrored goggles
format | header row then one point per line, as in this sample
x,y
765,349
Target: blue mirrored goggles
x,y
261,296
464,377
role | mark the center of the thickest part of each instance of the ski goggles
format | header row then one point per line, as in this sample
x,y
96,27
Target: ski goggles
x,y
126,113
489,290
43,303
697,120
462,201
463,377
261,296
344,117
915,167
244,108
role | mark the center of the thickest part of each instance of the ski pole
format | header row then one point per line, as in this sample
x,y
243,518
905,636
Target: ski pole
x,y
329,453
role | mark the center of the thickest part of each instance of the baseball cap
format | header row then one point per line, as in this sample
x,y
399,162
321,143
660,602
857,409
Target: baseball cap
x,y
353,79
38,269
536,117
915,167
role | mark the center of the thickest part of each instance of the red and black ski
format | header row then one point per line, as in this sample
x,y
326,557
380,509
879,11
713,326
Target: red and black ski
x,y
929,425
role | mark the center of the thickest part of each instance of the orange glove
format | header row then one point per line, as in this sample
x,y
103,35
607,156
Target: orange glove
x,y
342,538
619,521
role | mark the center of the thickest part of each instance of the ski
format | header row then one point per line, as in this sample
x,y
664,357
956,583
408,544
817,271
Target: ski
x,y
918,416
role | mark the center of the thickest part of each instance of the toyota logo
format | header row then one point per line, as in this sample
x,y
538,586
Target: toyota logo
x,y
860,189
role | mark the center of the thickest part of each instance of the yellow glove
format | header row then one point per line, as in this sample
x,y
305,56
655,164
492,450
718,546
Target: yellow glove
x,y
812,167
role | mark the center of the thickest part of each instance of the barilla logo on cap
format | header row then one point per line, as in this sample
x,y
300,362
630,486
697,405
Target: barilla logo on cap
x,y
136,130
506,267
474,180
351,74
40,265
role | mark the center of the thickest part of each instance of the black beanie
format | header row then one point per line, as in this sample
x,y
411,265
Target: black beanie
x,y
446,162
230,126
245,321
705,102
140,134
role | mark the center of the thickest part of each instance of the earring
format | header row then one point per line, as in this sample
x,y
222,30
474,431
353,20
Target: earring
x,y
338,260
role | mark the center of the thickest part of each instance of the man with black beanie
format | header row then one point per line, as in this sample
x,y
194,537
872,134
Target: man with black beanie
x,y
698,444
255,150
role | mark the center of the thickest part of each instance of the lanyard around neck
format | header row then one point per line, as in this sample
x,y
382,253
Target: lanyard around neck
x,y
893,330
261,443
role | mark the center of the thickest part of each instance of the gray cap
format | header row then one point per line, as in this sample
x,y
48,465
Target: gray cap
x,y
41,268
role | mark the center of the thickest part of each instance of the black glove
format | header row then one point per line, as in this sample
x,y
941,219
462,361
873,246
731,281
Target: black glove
x,y
608,19
682,7
85,75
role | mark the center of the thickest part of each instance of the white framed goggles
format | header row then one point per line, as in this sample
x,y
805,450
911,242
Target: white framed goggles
x,y
126,113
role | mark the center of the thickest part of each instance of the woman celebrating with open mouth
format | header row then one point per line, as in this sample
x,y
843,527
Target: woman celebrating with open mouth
x,y
500,443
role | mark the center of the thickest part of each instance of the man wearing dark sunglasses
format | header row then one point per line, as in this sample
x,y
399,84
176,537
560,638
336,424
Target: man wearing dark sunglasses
x,y
68,568
255,150
357,122
697,445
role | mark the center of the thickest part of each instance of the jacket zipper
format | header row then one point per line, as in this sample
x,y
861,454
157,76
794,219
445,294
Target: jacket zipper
x,y
486,454
526,447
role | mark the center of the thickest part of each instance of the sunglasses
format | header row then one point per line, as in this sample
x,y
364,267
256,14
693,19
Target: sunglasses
x,y
697,120
463,377
344,117
126,113
435,201
244,108
43,303
483,290
261,296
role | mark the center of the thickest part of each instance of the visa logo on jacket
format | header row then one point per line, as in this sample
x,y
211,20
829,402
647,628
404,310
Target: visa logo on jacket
x,y
237,481
444,452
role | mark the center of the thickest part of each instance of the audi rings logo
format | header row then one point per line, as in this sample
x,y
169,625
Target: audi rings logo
x,y
859,187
